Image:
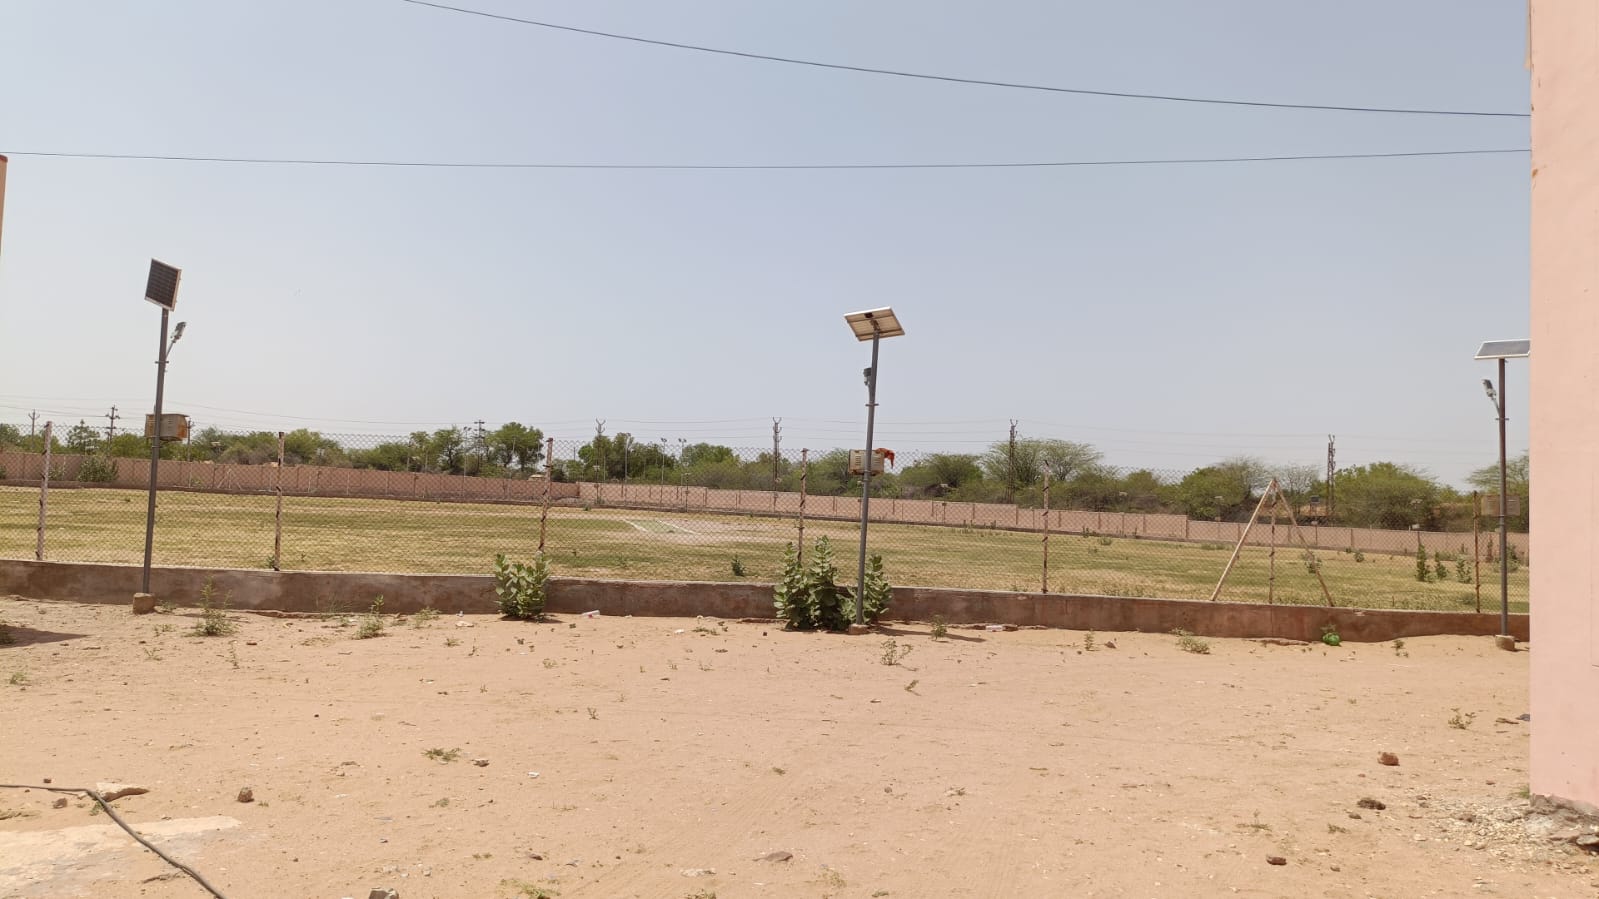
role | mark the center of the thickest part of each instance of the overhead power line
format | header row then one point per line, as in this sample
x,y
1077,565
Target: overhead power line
x,y
716,167
953,79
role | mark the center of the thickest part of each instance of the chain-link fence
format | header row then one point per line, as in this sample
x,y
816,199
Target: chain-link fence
x,y
613,508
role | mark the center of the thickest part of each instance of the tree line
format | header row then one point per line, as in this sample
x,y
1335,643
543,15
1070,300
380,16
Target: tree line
x,y
1380,495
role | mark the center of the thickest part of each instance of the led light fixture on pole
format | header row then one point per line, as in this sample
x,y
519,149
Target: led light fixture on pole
x,y
1502,350
873,325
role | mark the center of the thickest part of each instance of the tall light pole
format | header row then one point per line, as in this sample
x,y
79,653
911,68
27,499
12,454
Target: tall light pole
x,y
1501,350
161,289
873,325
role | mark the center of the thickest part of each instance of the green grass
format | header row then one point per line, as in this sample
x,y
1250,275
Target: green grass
x,y
203,529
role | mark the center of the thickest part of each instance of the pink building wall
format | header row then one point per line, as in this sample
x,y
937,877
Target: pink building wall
x,y
1564,419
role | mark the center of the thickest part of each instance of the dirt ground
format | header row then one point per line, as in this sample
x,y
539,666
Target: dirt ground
x,y
657,757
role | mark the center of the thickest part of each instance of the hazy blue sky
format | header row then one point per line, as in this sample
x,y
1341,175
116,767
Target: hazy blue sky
x,y
1169,315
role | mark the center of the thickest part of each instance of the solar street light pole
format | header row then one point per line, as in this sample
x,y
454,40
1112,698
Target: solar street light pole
x,y
866,479
162,290
1504,534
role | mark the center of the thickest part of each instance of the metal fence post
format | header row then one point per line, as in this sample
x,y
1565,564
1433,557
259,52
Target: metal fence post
x,y
805,472
549,475
44,493
1044,587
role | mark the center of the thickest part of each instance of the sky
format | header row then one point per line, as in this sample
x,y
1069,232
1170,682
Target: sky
x,y
1169,315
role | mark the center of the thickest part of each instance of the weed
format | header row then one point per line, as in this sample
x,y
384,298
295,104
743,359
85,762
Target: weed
x,y
670,663
808,597
1088,642
551,663
372,622
161,629
424,617
594,713
1440,570
443,755
151,655
940,628
442,803
233,654
701,894
1105,541
482,856
1360,556
1312,564
1462,571
893,653
1213,547
1187,642
1423,573
19,679
520,586
779,771
1399,649
451,641
911,687
1256,825
1333,828
706,666
214,620
1461,720
738,567
702,629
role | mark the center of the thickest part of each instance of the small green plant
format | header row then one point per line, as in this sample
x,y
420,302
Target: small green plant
x,y
524,890
214,620
738,567
520,586
1329,634
878,593
1399,649
442,755
19,679
893,652
97,469
1440,571
424,617
1462,571
1423,573
372,622
1461,720
1257,825
1360,556
1088,642
233,654
594,713
1105,541
442,803
1312,564
940,628
1187,642
451,641
551,663
911,687
807,596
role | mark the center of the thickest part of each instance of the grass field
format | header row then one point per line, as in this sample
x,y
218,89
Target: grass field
x,y
203,529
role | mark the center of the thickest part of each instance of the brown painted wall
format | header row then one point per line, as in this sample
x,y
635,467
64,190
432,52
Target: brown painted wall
x,y
312,591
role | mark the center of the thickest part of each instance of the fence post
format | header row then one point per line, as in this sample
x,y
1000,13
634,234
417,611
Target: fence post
x,y
1476,549
549,475
805,473
44,493
277,523
1044,587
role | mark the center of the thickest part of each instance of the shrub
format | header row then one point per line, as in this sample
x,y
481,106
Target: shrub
x,y
1423,573
97,469
520,586
214,620
372,622
808,597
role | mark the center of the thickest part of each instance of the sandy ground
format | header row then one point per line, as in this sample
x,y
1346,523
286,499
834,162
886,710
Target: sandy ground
x,y
987,764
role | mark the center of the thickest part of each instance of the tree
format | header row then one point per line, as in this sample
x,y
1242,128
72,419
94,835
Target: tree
x,y
447,447
941,473
1299,483
1518,482
1215,491
1024,464
706,453
514,444
1386,495
10,436
82,439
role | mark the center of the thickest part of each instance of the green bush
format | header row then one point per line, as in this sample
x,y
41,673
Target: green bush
x,y
97,469
520,586
807,596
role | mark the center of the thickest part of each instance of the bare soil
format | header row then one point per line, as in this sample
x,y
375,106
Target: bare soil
x,y
658,757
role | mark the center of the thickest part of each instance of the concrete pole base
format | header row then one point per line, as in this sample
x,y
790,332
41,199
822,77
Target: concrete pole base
x,y
1505,642
143,603
860,629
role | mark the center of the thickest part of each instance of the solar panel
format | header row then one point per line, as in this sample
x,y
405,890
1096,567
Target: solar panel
x,y
880,322
162,286
1505,349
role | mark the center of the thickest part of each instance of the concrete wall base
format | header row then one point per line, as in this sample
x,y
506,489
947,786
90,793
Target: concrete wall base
x,y
326,591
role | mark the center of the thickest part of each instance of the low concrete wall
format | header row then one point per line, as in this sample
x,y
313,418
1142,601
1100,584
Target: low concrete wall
x,y
314,591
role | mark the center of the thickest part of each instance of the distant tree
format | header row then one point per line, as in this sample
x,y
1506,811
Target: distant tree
x,y
1299,482
127,446
447,448
1214,491
1518,481
941,473
705,453
10,436
82,439
515,445
1023,465
1386,495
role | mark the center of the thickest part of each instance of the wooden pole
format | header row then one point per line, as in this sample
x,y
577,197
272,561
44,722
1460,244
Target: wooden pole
x,y
277,524
549,475
1045,586
44,493
1293,522
1476,549
1271,558
1240,546
805,473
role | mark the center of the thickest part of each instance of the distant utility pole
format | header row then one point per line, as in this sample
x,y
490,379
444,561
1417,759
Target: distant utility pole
x,y
33,421
1010,483
111,431
1331,468
599,431
776,442
482,440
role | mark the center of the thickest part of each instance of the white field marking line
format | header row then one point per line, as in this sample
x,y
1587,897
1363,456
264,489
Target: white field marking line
x,y
670,527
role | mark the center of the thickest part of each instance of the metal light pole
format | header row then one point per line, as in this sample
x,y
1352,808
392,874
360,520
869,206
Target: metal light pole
x,y
161,288
1501,350
871,325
